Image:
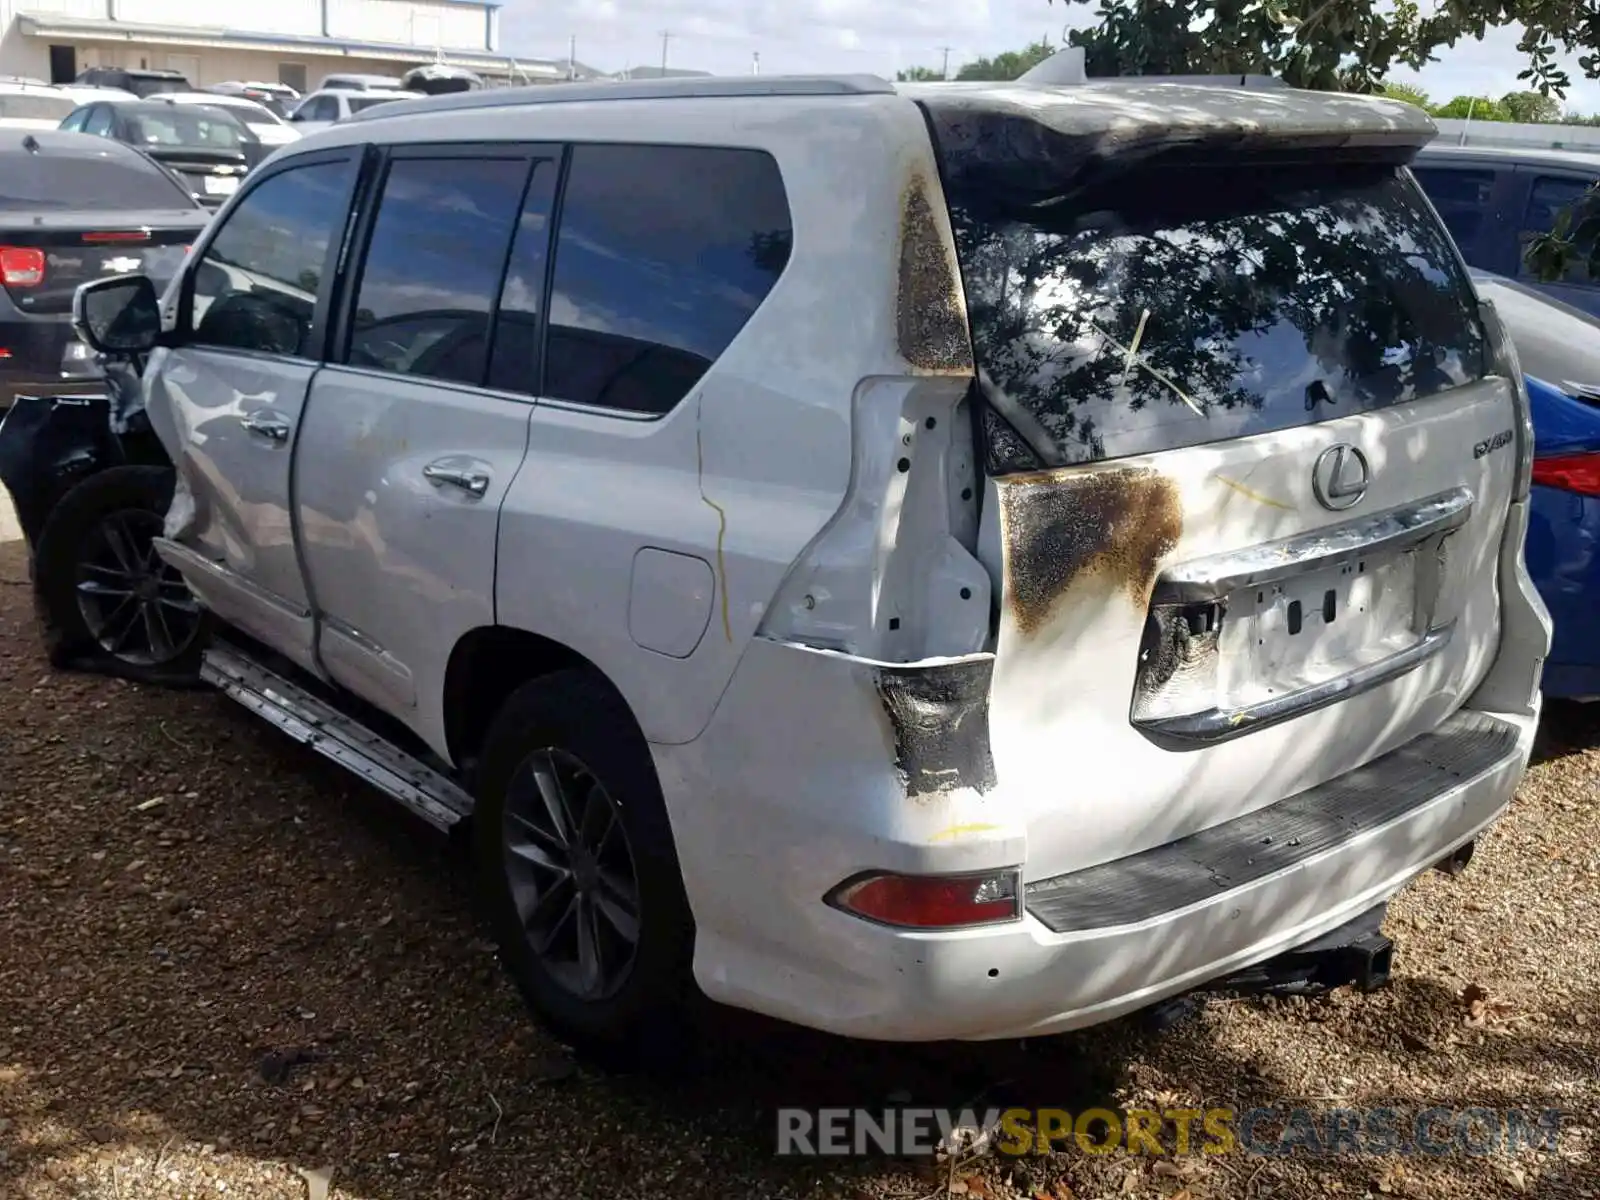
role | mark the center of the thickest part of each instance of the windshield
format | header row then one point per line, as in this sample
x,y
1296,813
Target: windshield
x,y
255,116
32,182
357,103
185,128
20,106
1177,306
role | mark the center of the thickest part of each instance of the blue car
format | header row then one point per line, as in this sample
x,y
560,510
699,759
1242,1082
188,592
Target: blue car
x,y
1559,348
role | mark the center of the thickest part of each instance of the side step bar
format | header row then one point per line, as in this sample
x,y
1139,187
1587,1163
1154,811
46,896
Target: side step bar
x,y
304,717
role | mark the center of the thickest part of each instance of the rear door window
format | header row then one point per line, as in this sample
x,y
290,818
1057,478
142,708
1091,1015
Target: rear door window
x,y
433,266
1176,306
1548,198
1462,197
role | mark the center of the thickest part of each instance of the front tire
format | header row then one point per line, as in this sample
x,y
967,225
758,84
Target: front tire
x,y
578,870
106,600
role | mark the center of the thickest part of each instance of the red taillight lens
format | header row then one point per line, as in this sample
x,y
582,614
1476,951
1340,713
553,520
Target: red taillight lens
x,y
932,901
21,266
119,235
1570,472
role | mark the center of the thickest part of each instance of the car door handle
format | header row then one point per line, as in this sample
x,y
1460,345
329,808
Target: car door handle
x,y
268,426
468,481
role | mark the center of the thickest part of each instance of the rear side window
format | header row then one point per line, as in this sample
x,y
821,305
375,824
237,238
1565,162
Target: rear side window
x,y
1549,196
433,266
1178,306
43,182
1462,198
256,287
663,254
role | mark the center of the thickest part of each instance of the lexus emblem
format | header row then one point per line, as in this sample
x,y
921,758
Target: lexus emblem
x,y
1340,476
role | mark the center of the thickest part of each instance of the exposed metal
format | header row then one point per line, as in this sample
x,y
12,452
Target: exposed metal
x,y
337,736
939,716
1388,532
1274,839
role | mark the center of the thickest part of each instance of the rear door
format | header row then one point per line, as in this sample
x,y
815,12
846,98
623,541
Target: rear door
x,y
227,401
405,452
1248,478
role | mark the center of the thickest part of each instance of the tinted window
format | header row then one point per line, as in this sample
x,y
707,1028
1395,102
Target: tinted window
x,y
60,183
1187,305
1462,198
433,266
99,121
1547,199
664,253
256,286
516,334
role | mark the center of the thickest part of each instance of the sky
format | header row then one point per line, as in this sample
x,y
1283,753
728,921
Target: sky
x,y
883,36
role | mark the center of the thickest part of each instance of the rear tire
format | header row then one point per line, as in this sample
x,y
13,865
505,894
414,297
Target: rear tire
x,y
578,872
105,600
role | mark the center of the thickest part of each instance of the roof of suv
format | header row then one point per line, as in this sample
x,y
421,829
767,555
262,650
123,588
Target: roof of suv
x,y
1549,156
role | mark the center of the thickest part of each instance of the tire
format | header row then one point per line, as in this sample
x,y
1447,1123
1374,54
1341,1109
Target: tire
x,y
105,601
572,726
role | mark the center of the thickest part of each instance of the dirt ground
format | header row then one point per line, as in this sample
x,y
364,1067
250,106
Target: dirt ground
x,y
226,969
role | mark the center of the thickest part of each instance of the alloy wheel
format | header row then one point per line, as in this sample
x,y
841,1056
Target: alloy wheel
x,y
136,608
572,875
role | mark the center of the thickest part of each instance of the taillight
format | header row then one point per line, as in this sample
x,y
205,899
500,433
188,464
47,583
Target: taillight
x,y
1578,473
119,235
932,901
21,266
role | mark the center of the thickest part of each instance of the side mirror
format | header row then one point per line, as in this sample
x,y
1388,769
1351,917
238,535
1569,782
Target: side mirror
x,y
121,315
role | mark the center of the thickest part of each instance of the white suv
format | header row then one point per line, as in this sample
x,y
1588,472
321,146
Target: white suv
x,y
924,562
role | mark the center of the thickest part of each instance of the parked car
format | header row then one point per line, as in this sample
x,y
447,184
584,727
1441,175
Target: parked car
x,y
324,108
1559,349
208,148
1122,594
74,208
276,98
272,130
140,81
1494,200
31,106
361,83
84,94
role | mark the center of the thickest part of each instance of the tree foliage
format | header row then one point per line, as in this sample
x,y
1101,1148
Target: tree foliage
x,y
918,75
1408,93
1478,108
1009,65
1531,108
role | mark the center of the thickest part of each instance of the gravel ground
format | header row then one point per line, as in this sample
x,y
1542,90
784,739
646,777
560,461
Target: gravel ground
x,y
226,969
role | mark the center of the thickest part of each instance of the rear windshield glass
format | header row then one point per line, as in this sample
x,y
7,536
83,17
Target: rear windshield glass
x,y
19,106
171,127
1174,307
38,182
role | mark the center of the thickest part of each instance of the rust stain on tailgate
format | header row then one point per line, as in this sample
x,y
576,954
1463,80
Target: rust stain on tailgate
x,y
931,311
1064,527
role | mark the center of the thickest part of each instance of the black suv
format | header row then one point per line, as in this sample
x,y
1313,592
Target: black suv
x,y
140,82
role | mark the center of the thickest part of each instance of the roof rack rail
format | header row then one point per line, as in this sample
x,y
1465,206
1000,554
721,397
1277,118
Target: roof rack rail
x,y
695,88
1262,82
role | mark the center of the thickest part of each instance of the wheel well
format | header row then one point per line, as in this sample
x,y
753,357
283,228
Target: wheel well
x,y
486,666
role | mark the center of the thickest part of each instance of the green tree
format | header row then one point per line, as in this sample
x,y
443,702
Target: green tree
x,y
1531,108
1478,108
1408,93
918,75
1009,65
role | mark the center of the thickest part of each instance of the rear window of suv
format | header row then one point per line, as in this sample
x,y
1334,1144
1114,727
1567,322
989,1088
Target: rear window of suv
x,y
1176,306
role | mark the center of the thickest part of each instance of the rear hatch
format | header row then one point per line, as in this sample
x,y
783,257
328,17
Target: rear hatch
x,y
47,258
1248,463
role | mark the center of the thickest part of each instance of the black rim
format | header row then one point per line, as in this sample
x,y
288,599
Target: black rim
x,y
136,608
572,874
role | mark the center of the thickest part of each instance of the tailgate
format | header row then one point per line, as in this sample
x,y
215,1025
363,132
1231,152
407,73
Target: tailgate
x,y
1249,474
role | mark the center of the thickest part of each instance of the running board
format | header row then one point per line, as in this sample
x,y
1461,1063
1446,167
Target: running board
x,y
335,735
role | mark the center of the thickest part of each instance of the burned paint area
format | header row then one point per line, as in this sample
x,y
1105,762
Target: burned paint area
x,y
930,318
1064,528
939,716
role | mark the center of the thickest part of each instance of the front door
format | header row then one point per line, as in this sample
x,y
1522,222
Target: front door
x,y
406,452
227,401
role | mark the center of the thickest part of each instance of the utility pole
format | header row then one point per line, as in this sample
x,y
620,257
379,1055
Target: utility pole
x,y
755,62
666,36
572,57
945,73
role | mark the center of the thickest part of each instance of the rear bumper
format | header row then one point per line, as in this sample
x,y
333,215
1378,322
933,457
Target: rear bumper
x,y
35,360
791,789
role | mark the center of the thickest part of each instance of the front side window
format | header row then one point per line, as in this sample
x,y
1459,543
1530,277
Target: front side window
x,y
433,266
663,255
256,286
1462,197
99,121
1175,306
74,121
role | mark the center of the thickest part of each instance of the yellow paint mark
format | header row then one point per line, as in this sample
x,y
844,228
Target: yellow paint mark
x,y
955,831
1253,494
722,527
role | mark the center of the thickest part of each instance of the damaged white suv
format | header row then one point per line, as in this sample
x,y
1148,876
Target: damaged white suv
x,y
922,562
